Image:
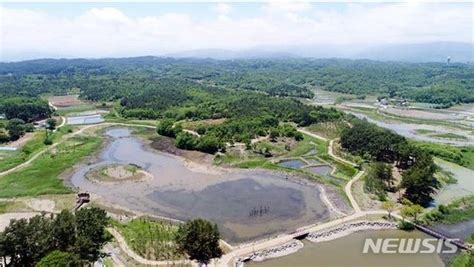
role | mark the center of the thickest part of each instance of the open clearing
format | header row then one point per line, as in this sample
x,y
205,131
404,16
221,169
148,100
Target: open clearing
x,y
65,101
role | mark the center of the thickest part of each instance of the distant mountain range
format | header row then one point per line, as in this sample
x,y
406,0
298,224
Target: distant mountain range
x,y
423,52
426,52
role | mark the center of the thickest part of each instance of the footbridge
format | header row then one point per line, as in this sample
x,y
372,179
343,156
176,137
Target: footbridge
x,y
460,244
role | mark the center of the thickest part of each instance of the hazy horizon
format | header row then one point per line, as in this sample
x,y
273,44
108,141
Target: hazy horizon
x,y
102,30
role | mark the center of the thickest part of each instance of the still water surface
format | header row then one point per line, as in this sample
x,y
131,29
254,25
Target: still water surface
x,y
347,251
246,204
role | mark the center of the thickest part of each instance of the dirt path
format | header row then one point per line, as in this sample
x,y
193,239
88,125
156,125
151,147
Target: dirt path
x,y
38,154
125,248
348,187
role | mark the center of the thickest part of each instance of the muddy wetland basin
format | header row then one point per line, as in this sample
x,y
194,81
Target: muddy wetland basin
x,y
246,204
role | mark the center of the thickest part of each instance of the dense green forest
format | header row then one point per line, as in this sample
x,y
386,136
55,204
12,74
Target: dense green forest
x,y
28,109
248,114
382,147
110,79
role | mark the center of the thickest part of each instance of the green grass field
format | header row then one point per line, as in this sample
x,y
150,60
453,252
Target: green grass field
x,y
424,131
457,211
463,156
75,109
150,238
449,136
42,176
329,130
463,259
31,147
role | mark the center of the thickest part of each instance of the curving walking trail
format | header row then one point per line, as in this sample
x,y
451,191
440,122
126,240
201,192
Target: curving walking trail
x,y
348,187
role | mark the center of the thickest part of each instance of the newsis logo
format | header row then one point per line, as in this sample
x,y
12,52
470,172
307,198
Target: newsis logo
x,y
409,245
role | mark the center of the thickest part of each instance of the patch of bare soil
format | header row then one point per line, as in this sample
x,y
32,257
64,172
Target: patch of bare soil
x,y
365,201
65,100
166,144
45,205
117,173
20,142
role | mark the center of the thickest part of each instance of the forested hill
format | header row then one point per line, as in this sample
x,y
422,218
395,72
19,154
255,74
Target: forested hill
x,y
438,83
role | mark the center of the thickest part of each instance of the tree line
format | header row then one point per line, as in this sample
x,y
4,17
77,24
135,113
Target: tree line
x,y
383,147
66,239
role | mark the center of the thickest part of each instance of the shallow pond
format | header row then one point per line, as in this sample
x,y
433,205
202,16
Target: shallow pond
x,y
347,251
86,119
246,204
292,163
463,187
323,170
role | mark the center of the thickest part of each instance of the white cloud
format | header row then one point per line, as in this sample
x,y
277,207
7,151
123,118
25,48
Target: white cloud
x,y
222,8
101,32
290,7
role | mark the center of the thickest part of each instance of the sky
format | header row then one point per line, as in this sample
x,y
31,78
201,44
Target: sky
x,y
32,30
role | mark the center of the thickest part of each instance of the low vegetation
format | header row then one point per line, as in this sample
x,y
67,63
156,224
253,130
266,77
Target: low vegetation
x,y
151,239
463,259
463,156
457,211
31,147
330,130
196,239
449,136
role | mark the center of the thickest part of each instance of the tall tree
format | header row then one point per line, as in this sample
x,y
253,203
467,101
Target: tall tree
x,y
200,240
91,233
50,124
389,206
419,181
16,129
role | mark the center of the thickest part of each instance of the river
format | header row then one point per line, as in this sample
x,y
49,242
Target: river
x,y
347,251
